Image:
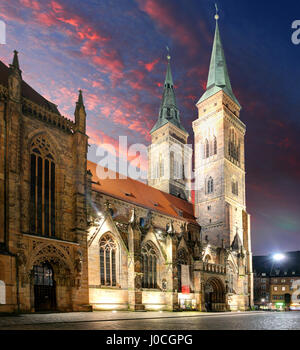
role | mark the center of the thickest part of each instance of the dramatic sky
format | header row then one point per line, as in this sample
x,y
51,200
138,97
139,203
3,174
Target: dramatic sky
x,y
114,50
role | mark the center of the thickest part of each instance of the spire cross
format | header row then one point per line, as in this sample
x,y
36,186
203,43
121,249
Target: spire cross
x,y
168,56
217,12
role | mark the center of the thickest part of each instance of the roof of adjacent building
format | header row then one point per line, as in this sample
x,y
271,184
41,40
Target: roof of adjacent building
x,y
27,91
218,77
140,194
289,266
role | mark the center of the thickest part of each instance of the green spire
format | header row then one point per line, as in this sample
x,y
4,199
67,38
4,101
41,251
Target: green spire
x,y
218,77
168,111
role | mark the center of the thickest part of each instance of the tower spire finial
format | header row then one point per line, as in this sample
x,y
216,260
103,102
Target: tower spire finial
x,y
15,63
168,55
80,99
217,12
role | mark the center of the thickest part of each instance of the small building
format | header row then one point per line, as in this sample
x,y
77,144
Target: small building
x,y
277,283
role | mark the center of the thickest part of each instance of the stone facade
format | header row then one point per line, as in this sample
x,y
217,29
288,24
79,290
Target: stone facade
x,y
71,240
29,123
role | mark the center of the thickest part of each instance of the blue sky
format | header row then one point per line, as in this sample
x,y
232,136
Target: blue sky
x,y
114,50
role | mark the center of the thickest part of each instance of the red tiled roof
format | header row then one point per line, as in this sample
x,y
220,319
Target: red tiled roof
x,y
27,91
138,193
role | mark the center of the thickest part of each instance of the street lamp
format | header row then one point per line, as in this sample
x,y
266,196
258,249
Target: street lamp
x,y
278,257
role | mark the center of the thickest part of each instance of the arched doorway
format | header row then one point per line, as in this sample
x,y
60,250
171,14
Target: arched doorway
x,y
44,288
214,295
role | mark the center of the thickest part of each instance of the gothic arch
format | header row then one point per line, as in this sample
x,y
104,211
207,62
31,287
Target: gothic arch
x,y
50,140
45,252
214,294
109,258
153,246
182,257
207,258
150,263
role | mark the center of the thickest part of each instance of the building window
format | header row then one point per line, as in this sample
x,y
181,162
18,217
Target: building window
x,y
142,222
161,166
215,145
235,187
283,289
233,146
210,186
206,149
149,262
275,288
108,252
182,259
42,188
168,112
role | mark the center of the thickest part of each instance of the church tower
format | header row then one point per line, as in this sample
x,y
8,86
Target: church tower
x,y
169,158
220,202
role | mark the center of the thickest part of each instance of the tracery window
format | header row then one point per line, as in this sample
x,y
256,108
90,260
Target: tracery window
x,y
149,265
42,188
182,259
210,185
108,268
233,146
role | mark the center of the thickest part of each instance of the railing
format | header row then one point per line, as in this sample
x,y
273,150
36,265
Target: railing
x,y
214,268
32,109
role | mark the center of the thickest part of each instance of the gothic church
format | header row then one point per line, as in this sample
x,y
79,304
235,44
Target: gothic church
x,y
70,241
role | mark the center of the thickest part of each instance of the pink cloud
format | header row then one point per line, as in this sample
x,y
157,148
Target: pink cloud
x,y
164,17
31,4
149,66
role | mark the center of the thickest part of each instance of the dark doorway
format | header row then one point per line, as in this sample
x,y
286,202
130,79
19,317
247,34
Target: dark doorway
x,y
208,301
209,297
214,295
44,288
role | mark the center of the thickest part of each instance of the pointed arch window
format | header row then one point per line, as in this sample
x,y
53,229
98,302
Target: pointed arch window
x,y
215,145
206,149
42,188
210,185
233,146
182,259
108,268
149,266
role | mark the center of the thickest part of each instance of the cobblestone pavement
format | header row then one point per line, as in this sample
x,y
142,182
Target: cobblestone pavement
x,y
153,320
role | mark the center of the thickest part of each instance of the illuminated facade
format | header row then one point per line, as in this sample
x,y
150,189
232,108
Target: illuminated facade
x,y
71,240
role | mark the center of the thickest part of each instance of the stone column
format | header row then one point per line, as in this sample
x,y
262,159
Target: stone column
x,y
171,277
134,267
198,285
